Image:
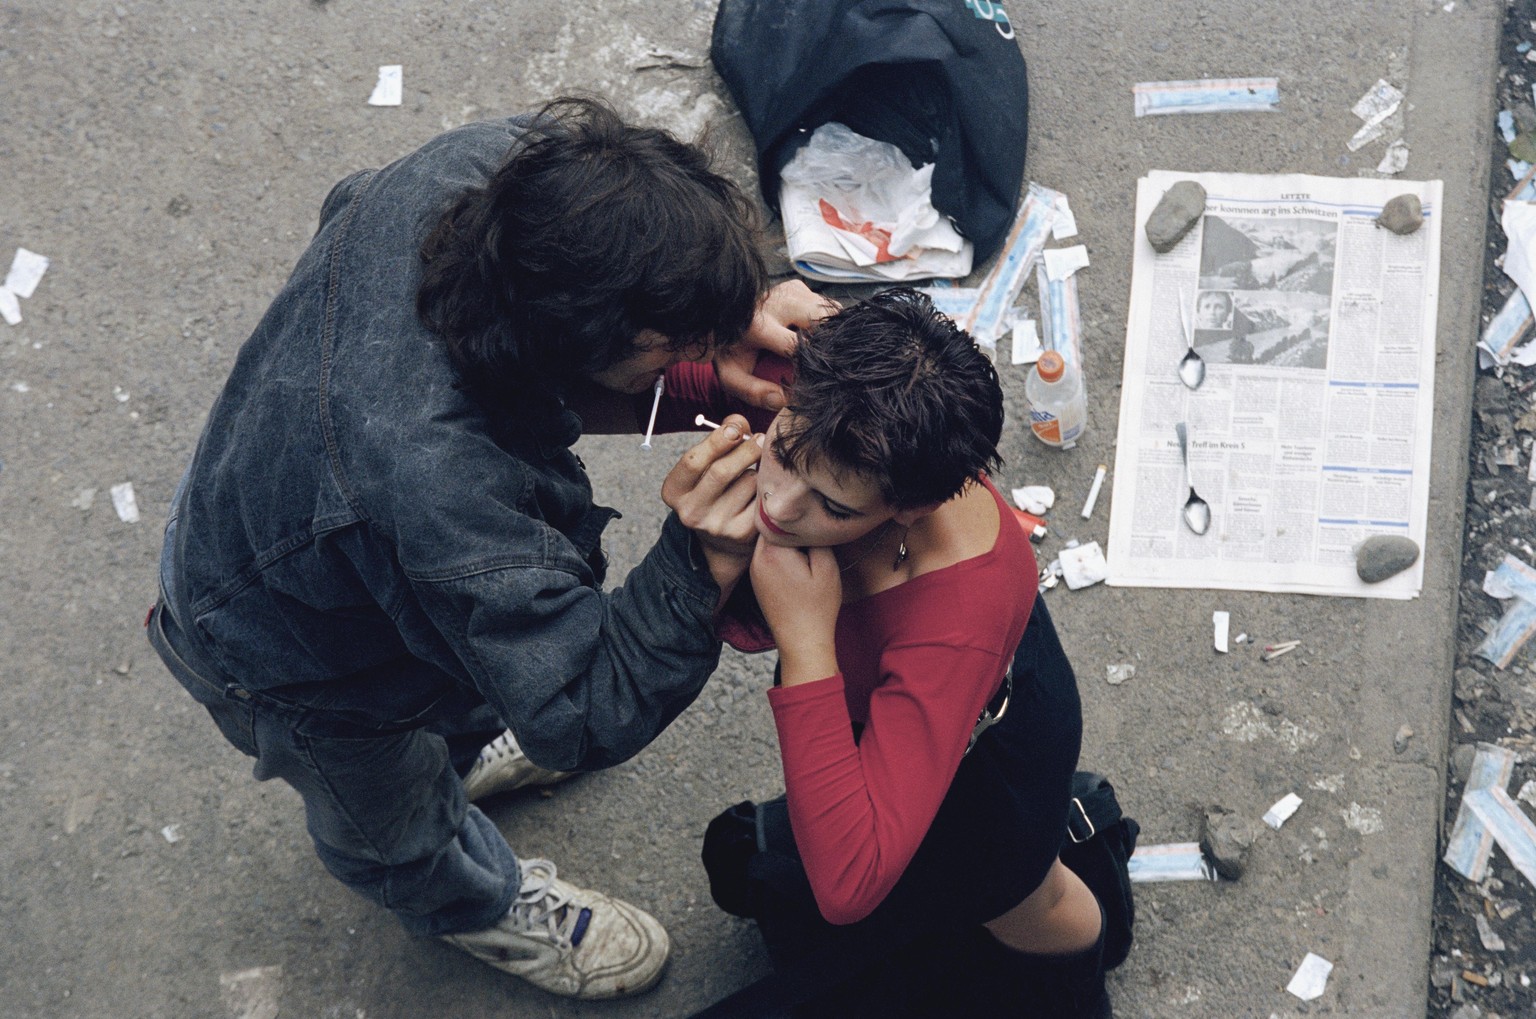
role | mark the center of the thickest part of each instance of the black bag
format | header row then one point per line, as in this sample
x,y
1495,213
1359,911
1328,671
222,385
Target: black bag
x,y
940,79
1100,841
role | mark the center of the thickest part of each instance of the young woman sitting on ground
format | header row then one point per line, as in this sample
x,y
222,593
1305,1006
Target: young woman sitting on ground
x,y
915,870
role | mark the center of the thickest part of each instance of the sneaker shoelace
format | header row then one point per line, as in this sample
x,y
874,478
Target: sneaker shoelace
x,y
540,902
502,746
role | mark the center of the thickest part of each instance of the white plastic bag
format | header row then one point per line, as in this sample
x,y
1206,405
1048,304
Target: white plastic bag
x,y
855,209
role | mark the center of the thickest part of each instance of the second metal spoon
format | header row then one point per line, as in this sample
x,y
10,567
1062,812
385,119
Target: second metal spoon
x,y
1197,512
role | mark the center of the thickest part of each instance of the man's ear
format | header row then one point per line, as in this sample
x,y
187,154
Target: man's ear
x,y
908,517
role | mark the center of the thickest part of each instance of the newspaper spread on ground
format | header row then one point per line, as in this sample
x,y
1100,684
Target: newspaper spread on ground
x,y
1311,429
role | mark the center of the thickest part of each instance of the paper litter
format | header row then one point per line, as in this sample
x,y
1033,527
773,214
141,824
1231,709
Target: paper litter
x,y
1036,499
1380,101
1281,812
1026,341
124,502
388,91
855,209
1311,978
1083,566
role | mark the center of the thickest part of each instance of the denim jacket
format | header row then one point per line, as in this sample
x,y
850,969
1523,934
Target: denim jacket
x,y
357,536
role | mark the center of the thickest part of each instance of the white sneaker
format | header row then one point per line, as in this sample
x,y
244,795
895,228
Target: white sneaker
x,y
571,941
502,767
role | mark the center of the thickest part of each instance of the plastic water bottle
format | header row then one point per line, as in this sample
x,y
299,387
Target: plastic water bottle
x,y
1058,406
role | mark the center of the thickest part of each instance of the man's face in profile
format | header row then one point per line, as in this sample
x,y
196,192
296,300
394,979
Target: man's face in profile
x,y
1213,310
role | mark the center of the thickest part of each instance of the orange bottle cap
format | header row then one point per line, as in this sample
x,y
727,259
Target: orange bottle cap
x,y
1050,366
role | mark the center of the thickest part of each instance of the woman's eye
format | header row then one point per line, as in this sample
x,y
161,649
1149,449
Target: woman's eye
x,y
835,513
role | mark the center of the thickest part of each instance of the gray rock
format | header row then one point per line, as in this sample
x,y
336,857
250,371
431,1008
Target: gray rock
x,y
1467,685
1225,838
1442,971
1525,116
1402,215
1176,214
1384,555
1461,761
1490,399
1468,1011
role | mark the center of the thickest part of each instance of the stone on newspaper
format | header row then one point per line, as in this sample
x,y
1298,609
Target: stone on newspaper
x,y
1384,555
1402,215
1175,215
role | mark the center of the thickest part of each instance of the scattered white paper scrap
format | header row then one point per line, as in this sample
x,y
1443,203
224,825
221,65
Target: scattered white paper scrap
x,y
1036,499
1065,225
1396,159
84,499
1063,262
171,833
1083,566
10,308
123,501
1222,621
1117,674
27,270
389,89
1311,978
1519,223
1380,101
1026,341
1282,810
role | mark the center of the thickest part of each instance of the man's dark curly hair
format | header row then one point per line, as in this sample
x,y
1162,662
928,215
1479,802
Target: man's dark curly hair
x,y
592,231
893,390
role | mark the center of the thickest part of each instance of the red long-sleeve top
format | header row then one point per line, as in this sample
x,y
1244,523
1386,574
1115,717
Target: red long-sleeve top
x,y
919,662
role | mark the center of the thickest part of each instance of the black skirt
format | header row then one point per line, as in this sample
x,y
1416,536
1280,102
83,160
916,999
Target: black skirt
x,y
996,834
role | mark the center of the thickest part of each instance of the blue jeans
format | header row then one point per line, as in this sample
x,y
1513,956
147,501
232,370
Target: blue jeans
x,y
384,805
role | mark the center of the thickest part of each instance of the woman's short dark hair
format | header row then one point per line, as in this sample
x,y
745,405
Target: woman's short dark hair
x,y
591,231
891,389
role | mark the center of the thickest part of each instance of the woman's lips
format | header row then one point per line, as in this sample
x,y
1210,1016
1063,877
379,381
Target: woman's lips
x,y
773,527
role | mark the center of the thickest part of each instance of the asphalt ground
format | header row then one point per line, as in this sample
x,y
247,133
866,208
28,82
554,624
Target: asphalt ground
x,y
171,160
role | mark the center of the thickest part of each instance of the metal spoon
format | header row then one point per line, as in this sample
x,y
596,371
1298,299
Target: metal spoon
x,y
1192,367
1197,512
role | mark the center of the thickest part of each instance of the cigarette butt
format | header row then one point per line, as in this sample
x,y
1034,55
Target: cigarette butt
x,y
1093,491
